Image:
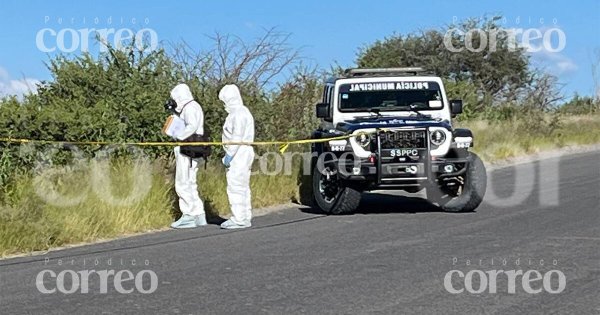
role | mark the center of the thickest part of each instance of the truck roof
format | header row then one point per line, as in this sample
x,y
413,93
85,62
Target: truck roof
x,y
381,72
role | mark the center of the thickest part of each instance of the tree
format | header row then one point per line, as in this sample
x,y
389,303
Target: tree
x,y
494,74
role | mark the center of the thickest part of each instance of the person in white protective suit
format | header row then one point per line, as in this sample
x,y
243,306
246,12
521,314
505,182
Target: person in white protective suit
x,y
190,204
238,127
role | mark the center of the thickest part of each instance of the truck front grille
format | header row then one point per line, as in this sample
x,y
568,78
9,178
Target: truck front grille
x,y
400,139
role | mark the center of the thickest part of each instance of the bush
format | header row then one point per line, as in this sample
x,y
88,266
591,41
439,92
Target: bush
x,y
580,105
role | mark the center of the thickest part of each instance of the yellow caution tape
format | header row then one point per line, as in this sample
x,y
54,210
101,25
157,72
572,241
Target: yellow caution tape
x,y
283,144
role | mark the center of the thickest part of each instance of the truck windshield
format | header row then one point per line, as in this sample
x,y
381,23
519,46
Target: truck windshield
x,y
390,96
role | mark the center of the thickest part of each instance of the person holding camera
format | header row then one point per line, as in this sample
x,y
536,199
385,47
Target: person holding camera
x,y
187,157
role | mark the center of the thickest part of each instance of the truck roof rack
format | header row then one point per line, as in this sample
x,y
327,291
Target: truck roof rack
x,y
359,72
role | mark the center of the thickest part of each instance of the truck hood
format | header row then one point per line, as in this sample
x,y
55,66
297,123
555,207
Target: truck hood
x,y
391,122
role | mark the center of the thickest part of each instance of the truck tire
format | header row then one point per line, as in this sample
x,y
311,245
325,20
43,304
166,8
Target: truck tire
x,y
337,198
475,185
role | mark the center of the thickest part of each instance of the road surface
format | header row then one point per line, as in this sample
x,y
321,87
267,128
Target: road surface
x,y
390,258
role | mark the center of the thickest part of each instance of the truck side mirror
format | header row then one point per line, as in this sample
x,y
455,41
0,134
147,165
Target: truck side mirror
x,y
456,107
323,110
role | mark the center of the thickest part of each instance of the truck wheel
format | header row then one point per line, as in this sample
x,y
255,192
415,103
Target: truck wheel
x,y
330,194
465,197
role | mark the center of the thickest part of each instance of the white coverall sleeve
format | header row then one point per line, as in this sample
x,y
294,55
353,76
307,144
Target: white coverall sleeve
x,y
193,119
237,134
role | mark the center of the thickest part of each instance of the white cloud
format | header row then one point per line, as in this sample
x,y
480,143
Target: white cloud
x,y
556,63
546,52
566,65
18,87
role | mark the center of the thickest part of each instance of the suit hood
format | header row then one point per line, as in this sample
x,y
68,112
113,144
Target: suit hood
x,y
230,95
182,95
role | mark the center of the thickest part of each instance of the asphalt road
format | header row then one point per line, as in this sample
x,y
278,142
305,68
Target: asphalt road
x,y
389,258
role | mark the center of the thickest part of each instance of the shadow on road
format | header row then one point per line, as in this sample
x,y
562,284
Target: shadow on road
x,y
380,203
373,203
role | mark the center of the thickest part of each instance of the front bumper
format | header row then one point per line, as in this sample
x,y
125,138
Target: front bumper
x,y
390,175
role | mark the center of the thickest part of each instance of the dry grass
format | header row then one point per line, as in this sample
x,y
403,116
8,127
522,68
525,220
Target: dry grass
x,y
501,140
64,205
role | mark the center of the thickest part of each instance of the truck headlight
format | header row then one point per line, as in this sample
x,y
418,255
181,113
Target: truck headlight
x,y
364,140
438,137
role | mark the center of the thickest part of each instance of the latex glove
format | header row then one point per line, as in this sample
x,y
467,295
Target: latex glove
x,y
227,160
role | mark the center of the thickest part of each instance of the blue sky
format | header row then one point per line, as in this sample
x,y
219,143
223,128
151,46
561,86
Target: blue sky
x,y
327,31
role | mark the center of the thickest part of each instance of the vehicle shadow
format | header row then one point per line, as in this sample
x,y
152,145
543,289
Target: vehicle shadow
x,y
373,203
382,203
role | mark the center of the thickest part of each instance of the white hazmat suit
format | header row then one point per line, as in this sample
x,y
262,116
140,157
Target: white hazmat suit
x,y
190,204
238,127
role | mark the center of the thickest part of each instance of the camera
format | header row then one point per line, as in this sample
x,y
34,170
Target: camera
x,y
170,105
